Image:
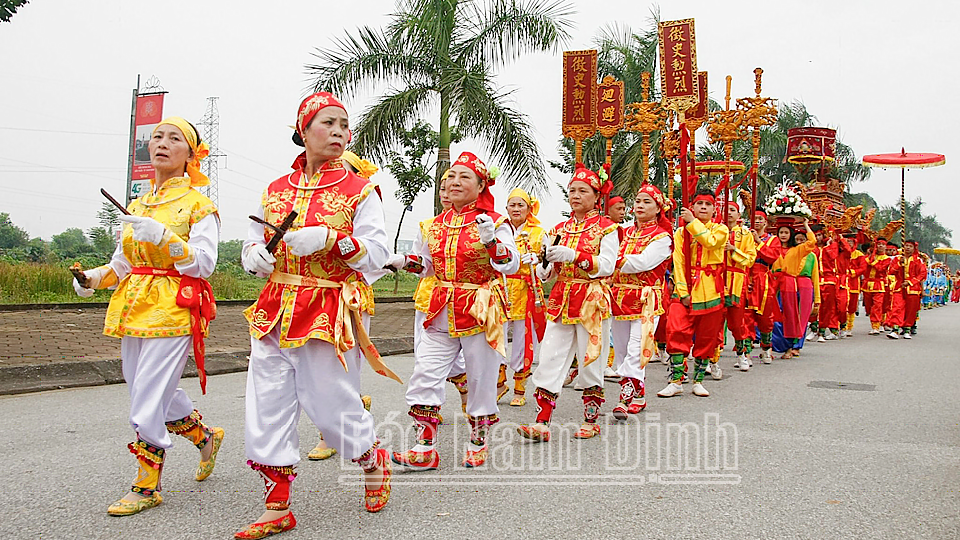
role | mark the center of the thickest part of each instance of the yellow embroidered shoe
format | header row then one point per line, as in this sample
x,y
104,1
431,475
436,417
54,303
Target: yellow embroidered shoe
x,y
319,454
129,508
205,469
267,528
518,401
367,401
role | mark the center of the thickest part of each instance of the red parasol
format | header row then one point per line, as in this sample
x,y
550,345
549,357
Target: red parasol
x,y
903,161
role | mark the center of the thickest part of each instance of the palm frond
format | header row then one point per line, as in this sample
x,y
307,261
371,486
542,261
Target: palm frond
x,y
506,29
385,122
366,61
484,113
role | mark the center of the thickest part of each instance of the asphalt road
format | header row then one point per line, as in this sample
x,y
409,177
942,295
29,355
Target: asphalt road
x,y
798,459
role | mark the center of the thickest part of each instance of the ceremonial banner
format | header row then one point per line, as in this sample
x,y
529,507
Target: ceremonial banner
x,y
580,94
149,114
609,106
678,64
811,145
698,113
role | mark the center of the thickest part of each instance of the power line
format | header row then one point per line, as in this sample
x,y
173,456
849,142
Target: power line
x,y
11,128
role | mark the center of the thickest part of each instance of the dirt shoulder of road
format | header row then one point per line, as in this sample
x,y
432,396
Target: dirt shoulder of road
x,y
47,349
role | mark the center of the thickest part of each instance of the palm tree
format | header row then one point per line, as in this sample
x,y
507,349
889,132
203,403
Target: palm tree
x,y
925,229
443,53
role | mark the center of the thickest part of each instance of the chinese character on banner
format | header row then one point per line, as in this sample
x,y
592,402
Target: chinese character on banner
x,y
610,106
149,114
678,61
579,94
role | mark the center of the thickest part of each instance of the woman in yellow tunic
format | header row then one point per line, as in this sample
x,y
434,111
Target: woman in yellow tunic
x,y
525,291
161,305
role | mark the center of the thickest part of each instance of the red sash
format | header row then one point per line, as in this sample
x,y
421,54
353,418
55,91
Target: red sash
x,y
195,294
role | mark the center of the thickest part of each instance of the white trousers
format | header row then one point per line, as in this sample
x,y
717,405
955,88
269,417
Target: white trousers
x,y
152,368
436,355
627,341
560,343
458,367
518,333
281,381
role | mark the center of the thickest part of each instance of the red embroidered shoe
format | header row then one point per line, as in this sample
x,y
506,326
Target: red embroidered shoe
x,y
375,499
475,459
418,461
268,528
587,431
534,433
638,405
620,412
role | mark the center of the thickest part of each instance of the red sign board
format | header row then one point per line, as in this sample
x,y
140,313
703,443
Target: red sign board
x,y
609,106
149,114
699,112
678,62
579,94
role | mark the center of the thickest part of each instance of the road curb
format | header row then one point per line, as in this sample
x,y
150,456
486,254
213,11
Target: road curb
x,y
99,372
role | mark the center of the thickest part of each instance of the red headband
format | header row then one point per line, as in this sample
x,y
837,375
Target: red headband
x,y
585,175
614,200
485,199
312,105
654,192
704,197
734,205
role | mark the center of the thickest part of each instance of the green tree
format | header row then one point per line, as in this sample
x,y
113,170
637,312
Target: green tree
x,y
228,252
11,236
412,168
102,241
925,229
109,217
442,55
9,7
70,244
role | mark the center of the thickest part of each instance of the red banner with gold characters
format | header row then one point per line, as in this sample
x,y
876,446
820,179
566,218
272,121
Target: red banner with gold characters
x,y
149,114
579,94
699,112
678,64
609,106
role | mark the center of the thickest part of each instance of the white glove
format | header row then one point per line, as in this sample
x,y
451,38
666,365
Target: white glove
x,y
544,273
307,240
94,276
82,292
561,254
257,260
488,231
530,258
145,229
396,261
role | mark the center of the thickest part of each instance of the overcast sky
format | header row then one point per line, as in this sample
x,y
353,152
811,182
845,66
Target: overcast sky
x,y
882,72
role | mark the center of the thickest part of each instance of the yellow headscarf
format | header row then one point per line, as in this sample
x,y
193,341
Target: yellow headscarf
x,y
364,168
534,205
200,151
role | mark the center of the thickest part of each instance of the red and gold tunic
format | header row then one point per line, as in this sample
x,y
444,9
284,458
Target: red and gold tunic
x,y
319,296
467,284
574,286
627,288
874,277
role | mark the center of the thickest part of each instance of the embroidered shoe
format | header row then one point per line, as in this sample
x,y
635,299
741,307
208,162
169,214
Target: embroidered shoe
x,y
621,411
518,401
264,529
535,434
205,469
417,461
318,453
502,391
375,499
475,458
129,508
587,431
638,405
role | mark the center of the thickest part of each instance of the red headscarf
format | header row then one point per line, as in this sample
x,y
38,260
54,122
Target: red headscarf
x,y
585,175
309,108
485,200
662,202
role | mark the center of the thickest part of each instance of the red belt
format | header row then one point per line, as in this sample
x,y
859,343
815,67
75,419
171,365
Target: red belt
x,y
195,294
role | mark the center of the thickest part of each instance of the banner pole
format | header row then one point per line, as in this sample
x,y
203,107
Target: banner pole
x,y
133,140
